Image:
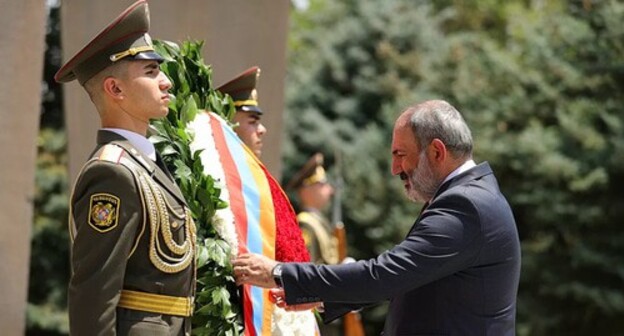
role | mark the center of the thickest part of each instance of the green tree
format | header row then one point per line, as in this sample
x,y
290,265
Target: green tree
x,y
49,264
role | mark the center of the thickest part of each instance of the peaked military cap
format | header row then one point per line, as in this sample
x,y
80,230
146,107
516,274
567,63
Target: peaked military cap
x,y
125,37
312,172
243,91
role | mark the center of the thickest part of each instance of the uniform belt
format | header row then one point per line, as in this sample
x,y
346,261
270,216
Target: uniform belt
x,y
156,303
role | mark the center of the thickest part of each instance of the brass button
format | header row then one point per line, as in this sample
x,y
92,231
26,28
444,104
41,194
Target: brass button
x,y
174,225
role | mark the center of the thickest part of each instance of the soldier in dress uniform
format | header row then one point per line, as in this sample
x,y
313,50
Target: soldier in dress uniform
x,y
243,91
133,238
314,193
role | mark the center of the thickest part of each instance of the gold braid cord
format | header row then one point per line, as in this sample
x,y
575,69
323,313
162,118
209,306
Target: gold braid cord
x,y
158,212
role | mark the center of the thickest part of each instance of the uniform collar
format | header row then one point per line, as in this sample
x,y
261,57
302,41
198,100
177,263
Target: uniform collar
x,y
137,140
163,177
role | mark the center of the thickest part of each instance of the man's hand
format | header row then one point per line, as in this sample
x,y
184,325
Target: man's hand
x,y
278,296
254,269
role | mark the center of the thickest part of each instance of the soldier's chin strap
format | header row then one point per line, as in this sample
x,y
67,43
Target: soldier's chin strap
x,y
130,52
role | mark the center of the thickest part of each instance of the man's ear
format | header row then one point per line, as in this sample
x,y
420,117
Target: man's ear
x,y
113,89
437,150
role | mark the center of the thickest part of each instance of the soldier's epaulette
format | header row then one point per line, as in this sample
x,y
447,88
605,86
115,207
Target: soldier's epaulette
x,y
305,217
111,153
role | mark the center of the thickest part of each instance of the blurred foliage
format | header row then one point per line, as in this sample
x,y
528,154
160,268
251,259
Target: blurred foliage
x,y
217,305
538,82
49,264
49,257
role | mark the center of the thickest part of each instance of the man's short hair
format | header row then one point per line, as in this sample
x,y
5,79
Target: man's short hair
x,y
93,86
437,119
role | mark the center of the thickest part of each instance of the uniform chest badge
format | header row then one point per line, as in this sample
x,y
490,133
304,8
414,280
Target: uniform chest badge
x,y
103,212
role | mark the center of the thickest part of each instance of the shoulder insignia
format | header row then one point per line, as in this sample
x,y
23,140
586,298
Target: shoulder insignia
x,y
307,236
104,212
111,153
304,217
326,241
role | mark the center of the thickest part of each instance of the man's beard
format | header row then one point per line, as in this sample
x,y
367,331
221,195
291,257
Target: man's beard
x,y
422,181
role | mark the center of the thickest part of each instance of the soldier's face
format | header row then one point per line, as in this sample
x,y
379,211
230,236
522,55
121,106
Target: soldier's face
x,y
250,130
317,195
146,90
325,192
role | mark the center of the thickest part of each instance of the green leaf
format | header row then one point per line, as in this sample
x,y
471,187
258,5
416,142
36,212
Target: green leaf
x,y
157,139
183,172
189,110
202,256
220,295
168,150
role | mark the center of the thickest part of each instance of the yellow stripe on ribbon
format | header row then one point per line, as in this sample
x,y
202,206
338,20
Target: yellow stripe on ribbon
x,y
267,229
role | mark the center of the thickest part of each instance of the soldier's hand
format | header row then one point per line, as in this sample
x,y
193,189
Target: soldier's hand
x,y
254,269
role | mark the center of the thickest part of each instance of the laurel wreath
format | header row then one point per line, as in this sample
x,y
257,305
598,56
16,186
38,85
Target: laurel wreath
x,y
217,306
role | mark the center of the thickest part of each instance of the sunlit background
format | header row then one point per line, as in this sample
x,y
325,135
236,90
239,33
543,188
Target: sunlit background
x,y
539,82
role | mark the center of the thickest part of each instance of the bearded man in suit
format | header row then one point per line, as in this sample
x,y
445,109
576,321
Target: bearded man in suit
x,y
457,270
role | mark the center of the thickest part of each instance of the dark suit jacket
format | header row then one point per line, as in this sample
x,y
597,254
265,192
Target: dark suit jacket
x,y
111,249
456,272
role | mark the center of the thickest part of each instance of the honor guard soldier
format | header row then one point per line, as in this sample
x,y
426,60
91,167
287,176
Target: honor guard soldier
x,y
314,193
243,91
133,238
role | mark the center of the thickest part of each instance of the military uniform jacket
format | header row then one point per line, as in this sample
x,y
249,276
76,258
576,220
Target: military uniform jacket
x,y
319,237
456,272
131,233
